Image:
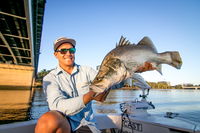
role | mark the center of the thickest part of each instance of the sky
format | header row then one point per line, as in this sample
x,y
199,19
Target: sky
x,y
97,25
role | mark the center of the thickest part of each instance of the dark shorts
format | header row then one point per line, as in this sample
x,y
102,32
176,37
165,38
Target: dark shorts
x,y
83,129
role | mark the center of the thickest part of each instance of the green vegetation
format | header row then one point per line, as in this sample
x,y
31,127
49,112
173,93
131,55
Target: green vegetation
x,y
39,77
163,85
41,74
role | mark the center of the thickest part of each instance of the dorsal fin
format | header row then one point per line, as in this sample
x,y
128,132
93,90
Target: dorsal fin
x,y
123,42
147,43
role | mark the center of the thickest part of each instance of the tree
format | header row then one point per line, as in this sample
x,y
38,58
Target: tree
x,y
41,74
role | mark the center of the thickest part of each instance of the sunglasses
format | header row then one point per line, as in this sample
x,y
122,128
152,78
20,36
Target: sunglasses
x,y
64,50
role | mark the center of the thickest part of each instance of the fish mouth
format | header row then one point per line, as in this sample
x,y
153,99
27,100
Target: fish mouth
x,y
178,66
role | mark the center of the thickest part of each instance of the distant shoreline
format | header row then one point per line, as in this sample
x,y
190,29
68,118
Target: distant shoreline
x,y
135,88
38,84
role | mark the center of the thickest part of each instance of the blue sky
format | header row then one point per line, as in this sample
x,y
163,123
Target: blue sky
x,y
97,25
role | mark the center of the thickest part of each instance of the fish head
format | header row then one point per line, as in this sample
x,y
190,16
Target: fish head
x,y
101,81
112,71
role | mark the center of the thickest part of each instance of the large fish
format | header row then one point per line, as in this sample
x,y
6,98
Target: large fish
x,y
127,59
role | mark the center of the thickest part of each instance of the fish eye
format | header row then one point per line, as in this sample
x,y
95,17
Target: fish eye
x,y
99,78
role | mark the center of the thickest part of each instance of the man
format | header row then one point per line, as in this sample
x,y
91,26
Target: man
x,y
68,95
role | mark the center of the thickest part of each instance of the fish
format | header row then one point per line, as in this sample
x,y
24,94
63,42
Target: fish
x,y
128,58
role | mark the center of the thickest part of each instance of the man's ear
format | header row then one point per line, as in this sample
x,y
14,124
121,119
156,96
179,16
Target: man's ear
x,y
55,54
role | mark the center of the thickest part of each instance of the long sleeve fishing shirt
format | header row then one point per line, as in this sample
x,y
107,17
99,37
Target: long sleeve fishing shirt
x,y
65,92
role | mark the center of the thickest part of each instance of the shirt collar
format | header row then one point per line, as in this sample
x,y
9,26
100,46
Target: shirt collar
x,y
60,70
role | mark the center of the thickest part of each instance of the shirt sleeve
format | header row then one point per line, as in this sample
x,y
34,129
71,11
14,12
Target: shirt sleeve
x,y
92,73
59,100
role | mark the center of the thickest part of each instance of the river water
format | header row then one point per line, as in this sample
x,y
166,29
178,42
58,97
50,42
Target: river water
x,y
17,105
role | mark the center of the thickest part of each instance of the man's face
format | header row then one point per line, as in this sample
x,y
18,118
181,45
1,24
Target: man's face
x,y
65,58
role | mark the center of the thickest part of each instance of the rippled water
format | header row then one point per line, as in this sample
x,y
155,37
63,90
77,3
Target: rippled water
x,y
184,102
15,105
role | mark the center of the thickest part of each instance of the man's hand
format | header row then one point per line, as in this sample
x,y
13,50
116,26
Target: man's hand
x,y
91,95
102,96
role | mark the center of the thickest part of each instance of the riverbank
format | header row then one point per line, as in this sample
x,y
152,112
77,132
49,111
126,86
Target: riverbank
x,y
38,84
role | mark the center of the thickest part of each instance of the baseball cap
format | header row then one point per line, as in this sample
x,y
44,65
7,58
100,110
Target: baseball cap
x,y
62,40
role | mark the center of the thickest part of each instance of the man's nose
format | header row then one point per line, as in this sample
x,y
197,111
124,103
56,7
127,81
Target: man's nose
x,y
67,53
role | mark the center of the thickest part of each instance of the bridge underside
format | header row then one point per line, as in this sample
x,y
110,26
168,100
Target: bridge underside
x,y
20,37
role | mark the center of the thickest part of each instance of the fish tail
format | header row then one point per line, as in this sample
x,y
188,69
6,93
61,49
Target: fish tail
x,y
176,59
172,58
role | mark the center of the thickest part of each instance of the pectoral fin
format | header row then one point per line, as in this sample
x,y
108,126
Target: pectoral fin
x,y
159,69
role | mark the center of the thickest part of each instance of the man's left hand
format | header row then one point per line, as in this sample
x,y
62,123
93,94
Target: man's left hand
x,y
102,96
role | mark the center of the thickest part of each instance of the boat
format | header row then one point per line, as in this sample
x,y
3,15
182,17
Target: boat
x,y
134,118
115,123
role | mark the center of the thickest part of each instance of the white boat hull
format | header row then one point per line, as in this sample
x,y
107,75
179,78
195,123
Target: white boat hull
x,y
137,124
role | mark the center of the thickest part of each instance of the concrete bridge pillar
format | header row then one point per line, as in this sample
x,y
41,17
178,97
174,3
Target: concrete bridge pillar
x,y
16,76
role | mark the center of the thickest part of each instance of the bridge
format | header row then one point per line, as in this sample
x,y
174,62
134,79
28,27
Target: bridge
x,y
20,37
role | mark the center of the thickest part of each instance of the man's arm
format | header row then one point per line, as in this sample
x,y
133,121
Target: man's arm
x,y
58,100
88,97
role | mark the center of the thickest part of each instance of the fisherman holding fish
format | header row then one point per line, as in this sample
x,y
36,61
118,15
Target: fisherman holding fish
x,y
70,88
127,59
68,95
